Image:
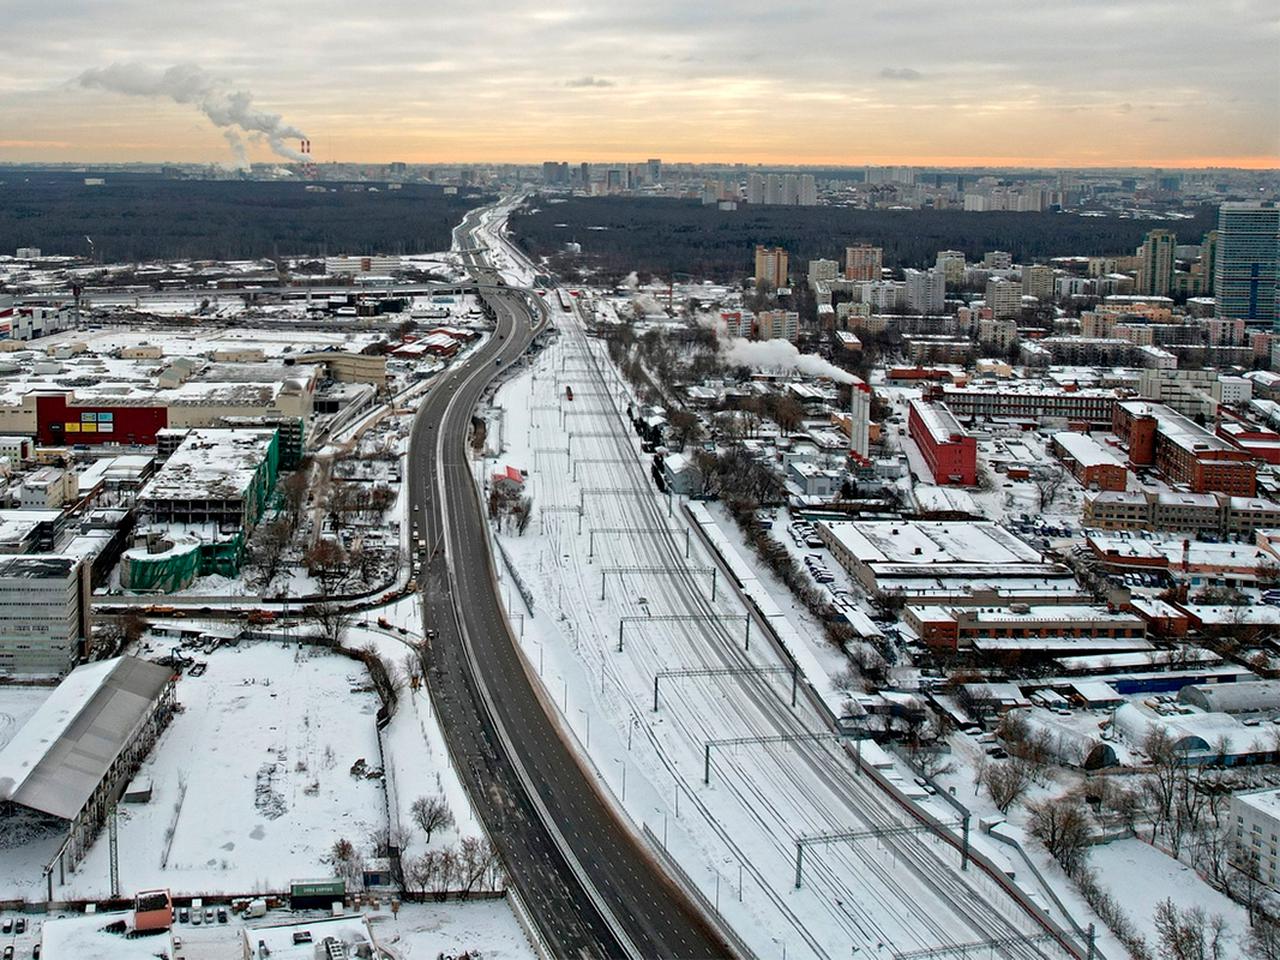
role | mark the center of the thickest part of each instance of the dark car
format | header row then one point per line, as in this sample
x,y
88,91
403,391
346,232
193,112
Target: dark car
x,y
20,925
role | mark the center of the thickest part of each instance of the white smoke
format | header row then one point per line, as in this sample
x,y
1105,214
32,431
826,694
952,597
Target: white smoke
x,y
225,107
777,356
241,161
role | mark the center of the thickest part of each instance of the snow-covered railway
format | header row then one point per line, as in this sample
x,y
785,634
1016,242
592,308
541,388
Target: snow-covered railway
x,y
901,891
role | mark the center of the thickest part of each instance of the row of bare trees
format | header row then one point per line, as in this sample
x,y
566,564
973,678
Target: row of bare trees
x,y
470,866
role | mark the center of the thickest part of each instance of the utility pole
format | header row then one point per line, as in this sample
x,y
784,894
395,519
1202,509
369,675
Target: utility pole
x,y
114,843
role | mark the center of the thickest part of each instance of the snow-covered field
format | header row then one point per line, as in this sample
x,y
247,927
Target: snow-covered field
x,y
252,781
735,837
1140,876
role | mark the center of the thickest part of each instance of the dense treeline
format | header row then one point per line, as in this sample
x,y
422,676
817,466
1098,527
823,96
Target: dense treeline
x,y
660,236
136,216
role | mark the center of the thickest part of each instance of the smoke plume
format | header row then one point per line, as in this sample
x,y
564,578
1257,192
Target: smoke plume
x,y
226,107
241,161
777,356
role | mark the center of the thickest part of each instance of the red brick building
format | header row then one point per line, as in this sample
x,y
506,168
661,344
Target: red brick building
x,y
952,455
1092,463
1182,450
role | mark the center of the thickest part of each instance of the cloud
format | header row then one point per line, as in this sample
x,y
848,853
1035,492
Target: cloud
x,y
589,81
901,73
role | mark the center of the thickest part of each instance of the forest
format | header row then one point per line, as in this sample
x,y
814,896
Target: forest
x,y
662,236
142,216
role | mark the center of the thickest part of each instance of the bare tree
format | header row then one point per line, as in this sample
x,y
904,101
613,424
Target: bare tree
x,y
332,619
1264,939
476,859
268,547
1006,782
418,871
1063,827
327,562
431,814
1048,486
347,862
1190,934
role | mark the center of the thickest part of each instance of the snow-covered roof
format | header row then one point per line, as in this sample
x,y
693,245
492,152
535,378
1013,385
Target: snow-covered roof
x,y
930,542
211,465
1085,450
61,754
1246,697
353,931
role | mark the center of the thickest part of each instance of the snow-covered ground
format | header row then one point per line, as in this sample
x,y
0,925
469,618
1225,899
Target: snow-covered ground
x,y
252,780
735,837
1140,876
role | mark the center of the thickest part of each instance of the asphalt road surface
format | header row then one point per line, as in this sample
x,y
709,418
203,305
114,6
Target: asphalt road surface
x,y
607,897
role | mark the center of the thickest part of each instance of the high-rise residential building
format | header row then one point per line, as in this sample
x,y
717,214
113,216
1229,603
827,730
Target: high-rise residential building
x,y
791,190
1209,259
823,270
860,421
778,325
555,173
773,189
926,290
1004,298
1247,270
755,188
1037,281
655,169
1156,263
808,190
997,260
951,263
771,267
863,262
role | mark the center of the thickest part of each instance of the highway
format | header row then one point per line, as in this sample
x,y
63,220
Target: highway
x,y
587,882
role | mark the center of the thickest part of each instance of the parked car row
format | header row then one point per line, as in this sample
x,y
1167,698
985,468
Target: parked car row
x,y
804,534
195,915
818,569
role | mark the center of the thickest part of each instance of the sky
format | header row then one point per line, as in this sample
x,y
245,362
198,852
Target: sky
x,y
1073,83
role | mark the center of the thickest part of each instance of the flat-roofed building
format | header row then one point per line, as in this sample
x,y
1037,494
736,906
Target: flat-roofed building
x,y
1254,821
215,476
1033,404
1182,450
1041,630
1094,465
44,614
961,563
948,449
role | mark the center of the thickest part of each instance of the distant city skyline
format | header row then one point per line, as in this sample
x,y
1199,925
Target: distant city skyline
x,y
1134,83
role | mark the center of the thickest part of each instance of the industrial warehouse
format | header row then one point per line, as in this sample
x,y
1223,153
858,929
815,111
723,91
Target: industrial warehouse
x,y
72,759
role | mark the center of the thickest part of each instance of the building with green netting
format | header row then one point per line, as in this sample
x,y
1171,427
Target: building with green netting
x,y
200,507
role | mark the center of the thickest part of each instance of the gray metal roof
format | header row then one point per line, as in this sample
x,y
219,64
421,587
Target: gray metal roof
x,y
61,754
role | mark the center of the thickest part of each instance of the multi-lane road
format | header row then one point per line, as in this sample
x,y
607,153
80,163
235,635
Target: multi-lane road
x,y
589,884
